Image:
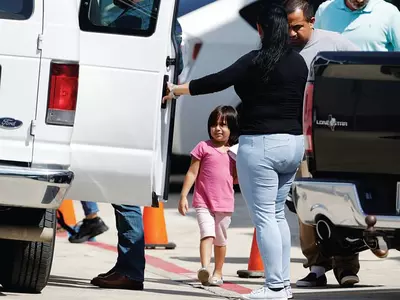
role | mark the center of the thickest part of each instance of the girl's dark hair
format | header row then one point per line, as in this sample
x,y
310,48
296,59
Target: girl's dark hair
x,y
230,116
272,19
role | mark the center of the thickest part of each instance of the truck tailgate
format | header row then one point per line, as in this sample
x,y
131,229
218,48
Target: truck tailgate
x,y
356,120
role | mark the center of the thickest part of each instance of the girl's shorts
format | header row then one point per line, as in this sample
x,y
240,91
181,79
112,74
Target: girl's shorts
x,y
213,225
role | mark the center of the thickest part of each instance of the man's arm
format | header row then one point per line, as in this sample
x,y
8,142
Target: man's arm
x,y
394,31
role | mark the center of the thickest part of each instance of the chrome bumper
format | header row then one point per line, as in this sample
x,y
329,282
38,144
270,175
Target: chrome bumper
x,y
36,188
337,201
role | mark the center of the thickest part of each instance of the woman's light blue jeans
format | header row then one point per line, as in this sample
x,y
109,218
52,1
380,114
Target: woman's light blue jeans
x,y
266,166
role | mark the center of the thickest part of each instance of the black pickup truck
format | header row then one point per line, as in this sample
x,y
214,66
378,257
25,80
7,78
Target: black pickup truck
x,y
351,121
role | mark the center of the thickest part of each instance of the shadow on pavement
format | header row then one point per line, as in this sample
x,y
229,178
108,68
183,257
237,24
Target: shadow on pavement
x,y
70,282
185,293
228,259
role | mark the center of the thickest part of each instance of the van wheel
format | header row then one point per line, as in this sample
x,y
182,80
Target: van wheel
x,y
26,267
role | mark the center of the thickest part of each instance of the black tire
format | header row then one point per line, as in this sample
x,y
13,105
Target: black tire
x,y
27,265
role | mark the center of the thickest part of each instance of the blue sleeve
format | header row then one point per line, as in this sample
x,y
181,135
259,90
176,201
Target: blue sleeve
x,y
318,14
394,31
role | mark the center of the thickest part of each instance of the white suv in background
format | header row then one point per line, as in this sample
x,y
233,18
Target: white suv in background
x,y
214,36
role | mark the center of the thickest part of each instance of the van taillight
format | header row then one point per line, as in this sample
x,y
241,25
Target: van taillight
x,y
308,117
63,92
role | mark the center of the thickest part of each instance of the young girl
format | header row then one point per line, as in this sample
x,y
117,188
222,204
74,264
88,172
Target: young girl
x,y
213,171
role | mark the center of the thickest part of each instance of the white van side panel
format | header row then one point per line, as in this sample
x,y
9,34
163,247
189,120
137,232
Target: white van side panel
x,y
60,42
19,61
118,121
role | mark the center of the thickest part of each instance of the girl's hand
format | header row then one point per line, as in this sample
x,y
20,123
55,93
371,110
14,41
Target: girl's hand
x,y
183,206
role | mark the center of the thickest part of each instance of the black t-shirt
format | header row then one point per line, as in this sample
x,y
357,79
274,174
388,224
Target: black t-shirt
x,y
269,107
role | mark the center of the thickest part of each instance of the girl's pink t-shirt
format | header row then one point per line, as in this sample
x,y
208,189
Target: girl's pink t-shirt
x,y
214,184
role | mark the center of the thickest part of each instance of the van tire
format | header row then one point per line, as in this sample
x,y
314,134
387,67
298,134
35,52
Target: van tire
x,y
27,265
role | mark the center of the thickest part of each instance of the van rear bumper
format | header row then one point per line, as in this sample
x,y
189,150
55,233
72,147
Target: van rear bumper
x,y
36,188
337,201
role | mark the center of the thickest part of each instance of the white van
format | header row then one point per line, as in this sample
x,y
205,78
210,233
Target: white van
x,y
81,117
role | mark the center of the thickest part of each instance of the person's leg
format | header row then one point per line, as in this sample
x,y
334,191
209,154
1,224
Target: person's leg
x,y
285,182
90,209
128,272
303,171
91,226
287,169
206,222
222,222
318,263
259,186
346,269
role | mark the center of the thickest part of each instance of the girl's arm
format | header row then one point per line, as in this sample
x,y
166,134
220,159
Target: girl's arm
x,y
213,83
188,182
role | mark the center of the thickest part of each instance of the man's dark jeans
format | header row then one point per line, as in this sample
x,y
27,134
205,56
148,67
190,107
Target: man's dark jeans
x,y
131,260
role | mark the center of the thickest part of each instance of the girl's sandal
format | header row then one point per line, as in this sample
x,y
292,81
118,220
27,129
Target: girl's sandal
x,y
215,281
203,275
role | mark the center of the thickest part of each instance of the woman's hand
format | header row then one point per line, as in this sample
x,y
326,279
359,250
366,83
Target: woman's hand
x,y
174,91
170,93
183,206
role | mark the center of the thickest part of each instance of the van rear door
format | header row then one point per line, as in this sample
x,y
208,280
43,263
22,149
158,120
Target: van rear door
x,y
121,135
20,29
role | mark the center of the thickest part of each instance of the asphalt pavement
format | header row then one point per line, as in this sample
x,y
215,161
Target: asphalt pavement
x,y
171,274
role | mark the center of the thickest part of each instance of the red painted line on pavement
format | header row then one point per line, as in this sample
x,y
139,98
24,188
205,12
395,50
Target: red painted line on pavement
x,y
165,265
151,260
233,287
169,267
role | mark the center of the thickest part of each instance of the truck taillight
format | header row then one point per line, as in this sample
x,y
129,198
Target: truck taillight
x,y
63,92
308,117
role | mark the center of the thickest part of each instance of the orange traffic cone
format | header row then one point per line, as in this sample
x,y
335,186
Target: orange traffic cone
x,y
68,212
255,267
66,217
155,232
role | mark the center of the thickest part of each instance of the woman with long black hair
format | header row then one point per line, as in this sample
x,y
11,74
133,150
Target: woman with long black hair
x,y
270,83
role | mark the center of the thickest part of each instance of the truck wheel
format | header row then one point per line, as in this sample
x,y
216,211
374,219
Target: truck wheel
x,y
26,267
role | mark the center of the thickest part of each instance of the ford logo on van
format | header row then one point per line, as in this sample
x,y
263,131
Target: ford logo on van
x,y
10,123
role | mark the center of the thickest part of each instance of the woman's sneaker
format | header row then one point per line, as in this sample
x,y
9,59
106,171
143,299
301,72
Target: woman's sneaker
x,y
289,292
265,293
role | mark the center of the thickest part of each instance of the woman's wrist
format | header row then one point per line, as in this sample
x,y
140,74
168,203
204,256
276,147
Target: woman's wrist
x,y
172,91
179,90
